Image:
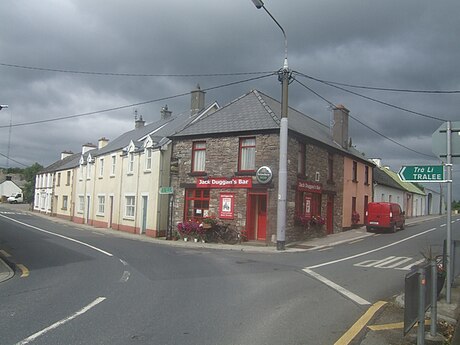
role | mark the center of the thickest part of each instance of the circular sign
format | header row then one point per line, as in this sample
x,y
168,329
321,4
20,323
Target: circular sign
x,y
264,175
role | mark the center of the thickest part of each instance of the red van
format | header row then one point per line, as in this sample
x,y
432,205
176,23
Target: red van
x,y
384,215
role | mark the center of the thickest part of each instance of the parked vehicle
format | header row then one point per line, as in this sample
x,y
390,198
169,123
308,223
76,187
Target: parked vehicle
x,y
16,198
384,215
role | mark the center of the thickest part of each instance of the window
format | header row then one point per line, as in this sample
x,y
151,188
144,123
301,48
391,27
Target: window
x,y
366,175
88,171
68,178
148,159
101,204
64,202
355,171
199,156
353,204
81,203
130,205
196,204
80,172
301,160
247,160
131,163
58,182
330,167
114,161
101,167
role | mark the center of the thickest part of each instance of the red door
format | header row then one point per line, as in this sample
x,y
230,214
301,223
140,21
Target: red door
x,y
256,221
330,214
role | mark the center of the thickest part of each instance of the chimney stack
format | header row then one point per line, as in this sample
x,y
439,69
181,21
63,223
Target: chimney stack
x,y
65,154
87,147
340,126
102,142
197,103
165,113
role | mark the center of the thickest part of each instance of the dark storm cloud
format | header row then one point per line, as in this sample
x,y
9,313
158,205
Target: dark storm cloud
x,y
409,45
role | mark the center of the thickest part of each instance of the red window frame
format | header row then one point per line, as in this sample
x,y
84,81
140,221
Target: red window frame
x,y
196,205
196,149
240,156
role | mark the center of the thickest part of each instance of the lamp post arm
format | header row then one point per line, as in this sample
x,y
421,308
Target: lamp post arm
x,y
285,38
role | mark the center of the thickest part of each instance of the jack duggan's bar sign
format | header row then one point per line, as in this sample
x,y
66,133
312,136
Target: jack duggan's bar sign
x,y
223,182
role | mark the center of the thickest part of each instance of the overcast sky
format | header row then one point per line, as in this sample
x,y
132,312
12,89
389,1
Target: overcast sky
x,y
411,45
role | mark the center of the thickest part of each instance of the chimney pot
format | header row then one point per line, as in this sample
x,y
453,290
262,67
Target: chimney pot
x,y
197,103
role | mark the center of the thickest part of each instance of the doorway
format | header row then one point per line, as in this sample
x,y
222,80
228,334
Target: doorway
x,y
144,214
111,211
88,209
256,222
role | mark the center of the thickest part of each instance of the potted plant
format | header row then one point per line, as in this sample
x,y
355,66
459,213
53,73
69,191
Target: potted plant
x,y
188,229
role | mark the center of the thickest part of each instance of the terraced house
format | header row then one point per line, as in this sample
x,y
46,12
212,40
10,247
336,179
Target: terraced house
x,y
115,184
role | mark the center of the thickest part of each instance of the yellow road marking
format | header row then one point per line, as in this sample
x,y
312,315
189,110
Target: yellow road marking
x,y
24,269
360,324
388,326
4,253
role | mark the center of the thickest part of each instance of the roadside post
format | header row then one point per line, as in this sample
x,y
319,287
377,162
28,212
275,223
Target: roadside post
x,y
447,148
434,297
421,307
169,191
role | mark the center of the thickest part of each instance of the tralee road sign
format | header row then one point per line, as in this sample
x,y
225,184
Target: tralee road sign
x,y
422,173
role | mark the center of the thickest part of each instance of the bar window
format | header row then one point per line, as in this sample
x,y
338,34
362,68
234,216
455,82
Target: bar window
x,y
196,204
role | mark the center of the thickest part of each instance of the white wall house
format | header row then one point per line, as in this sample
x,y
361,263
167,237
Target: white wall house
x,y
8,188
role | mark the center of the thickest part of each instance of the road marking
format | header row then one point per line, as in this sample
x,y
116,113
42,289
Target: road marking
x,y
58,235
337,287
123,262
124,278
371,251
360,324
324,249
389,262
362,239
443,225
5,254
396,325
408,267
61,322
24,269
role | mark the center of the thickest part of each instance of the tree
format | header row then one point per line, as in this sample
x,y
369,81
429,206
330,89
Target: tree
x,y
29,176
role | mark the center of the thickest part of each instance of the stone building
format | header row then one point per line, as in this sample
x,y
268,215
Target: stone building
x,y
226,166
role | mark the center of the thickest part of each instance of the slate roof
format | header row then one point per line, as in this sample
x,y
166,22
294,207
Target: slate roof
x,y
407,186
256,111
382,178
68,162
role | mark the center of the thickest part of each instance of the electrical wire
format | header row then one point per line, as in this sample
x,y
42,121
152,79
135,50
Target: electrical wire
x,y
373,99
363,124
11,159
134,104
129,74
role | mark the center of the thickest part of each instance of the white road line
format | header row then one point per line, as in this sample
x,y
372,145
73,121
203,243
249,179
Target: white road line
x,y
123,262
337,287
324,249
408,267
371,251
58,235
61,322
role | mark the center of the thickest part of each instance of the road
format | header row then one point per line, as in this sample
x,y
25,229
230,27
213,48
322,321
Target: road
x,y
83,286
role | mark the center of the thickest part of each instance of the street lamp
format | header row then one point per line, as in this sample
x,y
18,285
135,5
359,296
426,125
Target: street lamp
x,y
284,76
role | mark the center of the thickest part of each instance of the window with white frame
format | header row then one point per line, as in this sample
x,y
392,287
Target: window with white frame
x,y
88,170
80,172
130,206
114,162
130,162
101,204
64,202
81,204
148,159
101,167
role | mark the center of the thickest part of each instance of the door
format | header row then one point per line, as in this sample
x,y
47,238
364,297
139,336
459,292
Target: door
x,y
144,214
111,211
330,214
88,208
256,221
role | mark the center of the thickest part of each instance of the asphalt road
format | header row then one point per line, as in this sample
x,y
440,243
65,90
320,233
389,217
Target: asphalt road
x,y
90,287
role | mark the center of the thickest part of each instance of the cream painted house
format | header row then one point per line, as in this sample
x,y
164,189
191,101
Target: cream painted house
x,y
116,184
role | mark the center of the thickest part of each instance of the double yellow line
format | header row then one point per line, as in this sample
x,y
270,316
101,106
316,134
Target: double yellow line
x,y
24,270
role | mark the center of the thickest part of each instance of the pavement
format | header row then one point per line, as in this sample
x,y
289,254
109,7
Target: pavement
x,y
382,327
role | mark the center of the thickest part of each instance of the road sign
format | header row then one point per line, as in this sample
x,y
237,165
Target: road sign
x,y
166,190
439,142
422,173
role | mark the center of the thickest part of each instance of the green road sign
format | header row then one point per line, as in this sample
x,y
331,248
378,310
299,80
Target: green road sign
x,y
166,190
422,173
